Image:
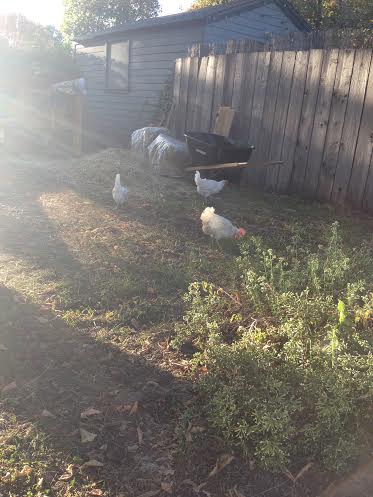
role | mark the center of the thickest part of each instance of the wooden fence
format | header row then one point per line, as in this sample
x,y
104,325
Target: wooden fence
x,y
313,109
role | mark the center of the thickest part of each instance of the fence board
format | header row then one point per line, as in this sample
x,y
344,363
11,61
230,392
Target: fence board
x,y
248,93
229,79
282,106
183,98
292,122
239,87
219,84
364,148
312,109
200,91
262,151
176,99
368,194
351,126
261,79
306,120
321,120
336,119
238,80
208,94
192,91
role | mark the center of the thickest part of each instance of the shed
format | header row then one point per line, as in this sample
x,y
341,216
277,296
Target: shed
x,y
127,67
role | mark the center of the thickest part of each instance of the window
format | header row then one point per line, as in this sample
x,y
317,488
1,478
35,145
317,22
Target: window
x,y
117,60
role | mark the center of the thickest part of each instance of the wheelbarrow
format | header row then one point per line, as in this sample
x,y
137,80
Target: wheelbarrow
x,y
219,156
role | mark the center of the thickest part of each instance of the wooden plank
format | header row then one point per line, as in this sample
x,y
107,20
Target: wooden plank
x,y
224,121
183,99
200,91
243,93
176,94
247,99
264,139
219,84
230,165
229,79
324,99
238,79
279,123
77,125
335,125
351,125
208,94
364,142
255,124
192,91
367,203
293,119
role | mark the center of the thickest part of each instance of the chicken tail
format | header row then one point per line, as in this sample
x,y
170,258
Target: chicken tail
x,y
117,180
197,178
207,214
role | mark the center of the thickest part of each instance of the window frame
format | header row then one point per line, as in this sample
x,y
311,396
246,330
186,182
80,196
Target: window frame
x,y
108,66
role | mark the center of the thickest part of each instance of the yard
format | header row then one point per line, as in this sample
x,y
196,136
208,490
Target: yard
x,y
94,393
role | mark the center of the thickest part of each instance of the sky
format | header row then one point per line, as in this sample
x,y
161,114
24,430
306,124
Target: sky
x,y
51,11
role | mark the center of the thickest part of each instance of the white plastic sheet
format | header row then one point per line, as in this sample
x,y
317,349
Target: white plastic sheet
x,y
167,155
142,138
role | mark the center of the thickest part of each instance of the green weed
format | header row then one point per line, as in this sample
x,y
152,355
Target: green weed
x,y
287,350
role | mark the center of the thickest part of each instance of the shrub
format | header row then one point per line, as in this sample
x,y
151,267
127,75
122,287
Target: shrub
x,y
287,351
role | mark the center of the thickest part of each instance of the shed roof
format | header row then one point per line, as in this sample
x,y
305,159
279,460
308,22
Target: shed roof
x,y
203,16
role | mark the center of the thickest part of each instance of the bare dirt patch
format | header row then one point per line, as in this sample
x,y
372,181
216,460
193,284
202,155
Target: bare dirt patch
x,y
89,297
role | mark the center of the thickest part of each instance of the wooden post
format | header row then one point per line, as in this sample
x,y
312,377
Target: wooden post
x,y
77,125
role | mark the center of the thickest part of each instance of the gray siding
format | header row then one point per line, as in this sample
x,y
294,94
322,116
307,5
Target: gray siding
x,y
111,115
253,24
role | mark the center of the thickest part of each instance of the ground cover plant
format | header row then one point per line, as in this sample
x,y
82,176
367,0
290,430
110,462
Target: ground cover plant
x,y
106,390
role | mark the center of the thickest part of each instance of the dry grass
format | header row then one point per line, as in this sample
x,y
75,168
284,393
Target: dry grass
x,y
89,297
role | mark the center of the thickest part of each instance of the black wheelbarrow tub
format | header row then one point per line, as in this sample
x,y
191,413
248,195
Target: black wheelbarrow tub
x,y
209,148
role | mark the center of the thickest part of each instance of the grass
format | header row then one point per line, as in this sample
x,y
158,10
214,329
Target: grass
x,y
89,301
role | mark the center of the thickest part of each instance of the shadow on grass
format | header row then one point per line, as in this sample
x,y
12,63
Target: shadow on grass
x,y
62,371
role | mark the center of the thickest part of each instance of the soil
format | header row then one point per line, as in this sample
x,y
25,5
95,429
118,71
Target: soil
x,y
88,300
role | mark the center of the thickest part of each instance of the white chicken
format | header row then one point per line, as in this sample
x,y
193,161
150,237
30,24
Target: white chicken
x,y
218,227
120,192
207,187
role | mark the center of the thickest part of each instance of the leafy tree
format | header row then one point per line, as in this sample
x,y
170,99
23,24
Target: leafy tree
x,y
85,16
32,55
322,14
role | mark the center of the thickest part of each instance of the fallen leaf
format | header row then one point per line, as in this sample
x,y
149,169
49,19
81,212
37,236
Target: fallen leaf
x,y
47,414
91,411
86,436
9,387
42,320
3,348
191,483
92,463
135,324
151,493
140,435
197,429
96,491
134,408
169,472
26,470
303,470
124,408
166,487
221,463
69,473
39,483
